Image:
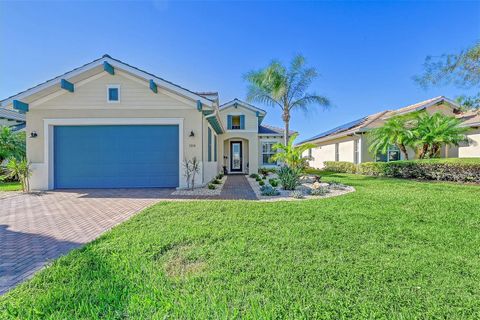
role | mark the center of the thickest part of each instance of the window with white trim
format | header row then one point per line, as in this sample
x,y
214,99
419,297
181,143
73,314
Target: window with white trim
x,y
113,94
392,154
267,153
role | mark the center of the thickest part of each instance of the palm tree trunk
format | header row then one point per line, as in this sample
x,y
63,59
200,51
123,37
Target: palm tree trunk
x,y
424,151
286,120
402,148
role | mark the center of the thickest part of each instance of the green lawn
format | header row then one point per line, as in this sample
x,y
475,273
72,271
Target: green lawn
x,y
10,186
395,249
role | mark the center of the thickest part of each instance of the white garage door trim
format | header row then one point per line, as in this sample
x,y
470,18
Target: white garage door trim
x,y
50,123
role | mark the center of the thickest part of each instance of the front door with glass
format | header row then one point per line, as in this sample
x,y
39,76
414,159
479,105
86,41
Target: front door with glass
x,y
236,156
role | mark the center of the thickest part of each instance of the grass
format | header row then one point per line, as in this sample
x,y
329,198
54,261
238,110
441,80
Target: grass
x,y
395,249
10,186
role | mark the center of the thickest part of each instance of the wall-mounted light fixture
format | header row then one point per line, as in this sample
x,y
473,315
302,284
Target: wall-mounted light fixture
x,y
33,134
192,134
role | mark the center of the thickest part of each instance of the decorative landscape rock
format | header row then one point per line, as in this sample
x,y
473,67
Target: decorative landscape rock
x,y
309,188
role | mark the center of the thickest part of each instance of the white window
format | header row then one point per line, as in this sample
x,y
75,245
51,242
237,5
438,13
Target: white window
x,y
337,152
113,94
267,153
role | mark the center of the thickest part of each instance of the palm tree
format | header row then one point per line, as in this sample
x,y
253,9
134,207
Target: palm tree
x,y
277,85
291,155
435,130
396,131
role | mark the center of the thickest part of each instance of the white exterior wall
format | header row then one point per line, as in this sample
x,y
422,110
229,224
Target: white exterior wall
x,y
89,101
472,149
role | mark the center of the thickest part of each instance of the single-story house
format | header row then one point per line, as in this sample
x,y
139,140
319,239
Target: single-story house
x,y
108,124
349,142
13,119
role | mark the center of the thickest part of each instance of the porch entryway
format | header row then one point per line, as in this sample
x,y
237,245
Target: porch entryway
x,y
236,156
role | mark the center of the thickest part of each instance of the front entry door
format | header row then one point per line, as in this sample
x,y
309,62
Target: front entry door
x,y
236,156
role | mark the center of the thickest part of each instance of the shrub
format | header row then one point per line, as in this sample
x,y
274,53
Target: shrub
x,y
290,178
269,191
258,179
254,176
263,171
261,183
297,194
459,170
319,191
211,186
340,166
273,182
220,176
334,185
264,177
216,181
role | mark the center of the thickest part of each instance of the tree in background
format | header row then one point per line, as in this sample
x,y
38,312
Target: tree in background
x,y
434,130
12,144
396,131
461,69
285,87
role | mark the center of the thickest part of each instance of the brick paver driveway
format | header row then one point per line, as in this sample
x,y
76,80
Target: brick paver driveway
x,y
36,228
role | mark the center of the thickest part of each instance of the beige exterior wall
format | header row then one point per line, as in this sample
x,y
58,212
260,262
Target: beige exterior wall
x,y
137,101
472,149
251,120
248,136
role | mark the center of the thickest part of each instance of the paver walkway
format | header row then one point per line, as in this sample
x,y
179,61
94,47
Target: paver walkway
x,y
237,187
36,228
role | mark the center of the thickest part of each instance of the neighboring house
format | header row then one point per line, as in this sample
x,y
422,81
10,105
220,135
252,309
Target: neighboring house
x,y
13,119
110,125
471,148
349,142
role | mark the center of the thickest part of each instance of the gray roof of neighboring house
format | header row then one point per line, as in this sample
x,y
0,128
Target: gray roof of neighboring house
x,y
266,129
11,115
361,124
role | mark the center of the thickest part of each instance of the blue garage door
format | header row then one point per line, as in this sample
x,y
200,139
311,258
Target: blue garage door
x,y
132,156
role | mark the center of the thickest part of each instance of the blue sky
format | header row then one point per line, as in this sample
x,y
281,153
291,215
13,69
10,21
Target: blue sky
x,y
366,52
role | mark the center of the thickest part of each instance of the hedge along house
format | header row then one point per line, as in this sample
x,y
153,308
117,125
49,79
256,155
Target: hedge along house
x,y
350,142
108,124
